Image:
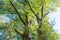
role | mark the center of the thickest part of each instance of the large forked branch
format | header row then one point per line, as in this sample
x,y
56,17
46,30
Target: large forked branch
x,y
17,13
30,7
43,15
34,12
36,15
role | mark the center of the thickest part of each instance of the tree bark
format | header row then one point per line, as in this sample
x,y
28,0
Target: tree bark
x,y
26,37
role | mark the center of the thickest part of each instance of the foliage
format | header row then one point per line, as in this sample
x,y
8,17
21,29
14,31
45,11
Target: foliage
x,y
30,8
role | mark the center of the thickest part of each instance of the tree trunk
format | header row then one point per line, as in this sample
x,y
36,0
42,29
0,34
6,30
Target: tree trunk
x,y
40,20
26,37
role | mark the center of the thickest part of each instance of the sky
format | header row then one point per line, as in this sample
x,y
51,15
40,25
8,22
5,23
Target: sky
x,y
56,17
3,18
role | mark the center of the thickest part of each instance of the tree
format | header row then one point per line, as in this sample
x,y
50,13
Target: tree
x,y
30,14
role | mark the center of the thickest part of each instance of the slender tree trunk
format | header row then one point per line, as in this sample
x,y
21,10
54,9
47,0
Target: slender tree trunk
x,y
40,22
25,36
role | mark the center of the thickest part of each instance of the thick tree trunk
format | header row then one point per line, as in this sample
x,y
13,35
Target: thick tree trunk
x,y
26,37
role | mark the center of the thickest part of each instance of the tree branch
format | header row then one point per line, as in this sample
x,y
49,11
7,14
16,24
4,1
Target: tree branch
x,y
17,13
30,7
18,32
46,14
42,12
36,15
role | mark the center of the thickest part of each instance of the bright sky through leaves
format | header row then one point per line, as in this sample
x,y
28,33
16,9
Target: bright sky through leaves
x,y
55,15
4,19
